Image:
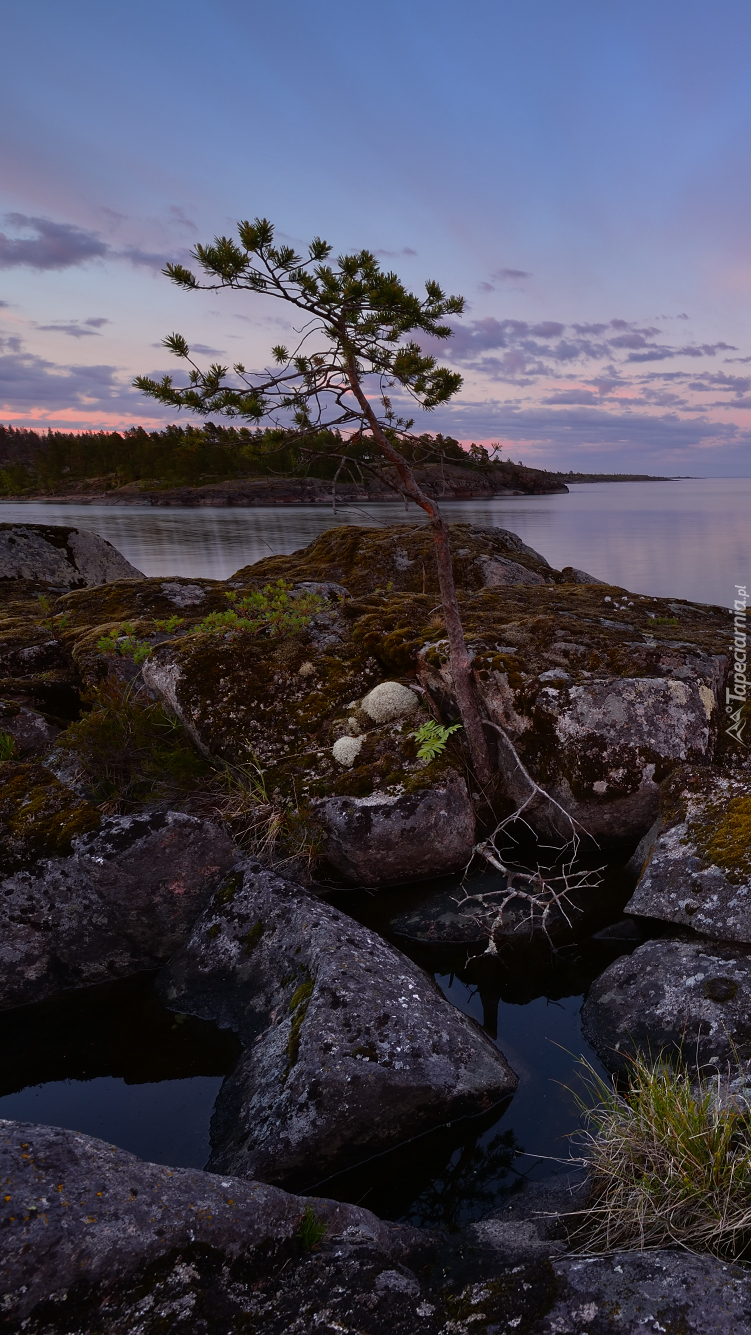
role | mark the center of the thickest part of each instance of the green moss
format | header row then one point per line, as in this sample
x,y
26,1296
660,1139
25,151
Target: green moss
x,y
250,939
723,836
298,1006
214,931
39,815
303,994
229,888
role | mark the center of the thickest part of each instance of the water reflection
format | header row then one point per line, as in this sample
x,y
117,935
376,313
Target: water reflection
x,y
685,539
112,1062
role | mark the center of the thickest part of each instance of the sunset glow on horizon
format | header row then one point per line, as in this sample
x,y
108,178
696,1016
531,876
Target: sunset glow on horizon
x,y
579,173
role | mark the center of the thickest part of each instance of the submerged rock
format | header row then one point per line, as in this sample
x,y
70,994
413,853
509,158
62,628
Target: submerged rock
x,y
699,870
61,556
670,996
123,901
350,1048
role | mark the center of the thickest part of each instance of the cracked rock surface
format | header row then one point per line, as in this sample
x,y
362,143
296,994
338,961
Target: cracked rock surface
x,y
350,1048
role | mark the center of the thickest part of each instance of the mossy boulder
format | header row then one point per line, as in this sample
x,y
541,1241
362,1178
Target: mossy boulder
x,y
601,692
35,667
39,816
27,731
401,558
291,705
145,606
699,870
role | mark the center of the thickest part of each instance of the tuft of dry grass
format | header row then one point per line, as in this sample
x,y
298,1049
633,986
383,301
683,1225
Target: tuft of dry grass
x,y
275,831
669,1161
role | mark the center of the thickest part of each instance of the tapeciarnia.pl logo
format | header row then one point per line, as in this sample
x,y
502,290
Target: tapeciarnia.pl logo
x,y
735,699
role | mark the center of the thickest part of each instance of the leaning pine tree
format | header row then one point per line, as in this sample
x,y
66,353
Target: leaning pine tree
x,y
354,349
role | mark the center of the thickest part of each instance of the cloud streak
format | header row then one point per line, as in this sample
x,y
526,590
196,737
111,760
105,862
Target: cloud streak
x,y
56,246
51,246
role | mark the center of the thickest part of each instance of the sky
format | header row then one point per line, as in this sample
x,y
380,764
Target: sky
x,y
579,171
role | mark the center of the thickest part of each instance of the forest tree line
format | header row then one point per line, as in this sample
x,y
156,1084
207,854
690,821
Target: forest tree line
x,y
33,462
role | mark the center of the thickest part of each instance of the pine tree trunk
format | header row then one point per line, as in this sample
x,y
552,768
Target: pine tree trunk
x,y
461,665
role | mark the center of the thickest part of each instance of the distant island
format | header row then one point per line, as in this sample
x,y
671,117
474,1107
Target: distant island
x,y
227,466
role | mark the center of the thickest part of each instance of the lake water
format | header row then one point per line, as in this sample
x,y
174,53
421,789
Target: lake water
x,y
684,539
115,1064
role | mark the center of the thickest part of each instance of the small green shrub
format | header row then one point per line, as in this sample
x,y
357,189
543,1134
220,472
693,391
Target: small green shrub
x,y
8,748
271,609
56,623
669,1162
171,624
666,621
125,643
312,1229
131,749
431,738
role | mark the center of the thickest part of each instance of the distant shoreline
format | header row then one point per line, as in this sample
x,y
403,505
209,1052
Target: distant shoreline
x,y
251,492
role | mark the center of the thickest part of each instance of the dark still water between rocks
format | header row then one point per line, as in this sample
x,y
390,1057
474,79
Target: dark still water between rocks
x,y
112,1061
682,539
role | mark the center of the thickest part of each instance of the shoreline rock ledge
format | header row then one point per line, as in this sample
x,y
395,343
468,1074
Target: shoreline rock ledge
x,y
350,1049
95,1239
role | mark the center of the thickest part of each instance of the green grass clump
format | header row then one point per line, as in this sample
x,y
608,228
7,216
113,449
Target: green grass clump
x,y
669,1162
131,750
312,1229
272,609
8,748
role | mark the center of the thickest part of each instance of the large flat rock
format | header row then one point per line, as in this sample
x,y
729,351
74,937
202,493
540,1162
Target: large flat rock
x,y
673,995
95,1237
350,1048
123,901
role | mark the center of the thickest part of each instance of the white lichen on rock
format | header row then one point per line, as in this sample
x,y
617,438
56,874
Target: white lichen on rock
x,y
346,750
389,700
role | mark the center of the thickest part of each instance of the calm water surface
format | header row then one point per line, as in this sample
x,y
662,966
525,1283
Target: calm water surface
x,y
117,1066
685,539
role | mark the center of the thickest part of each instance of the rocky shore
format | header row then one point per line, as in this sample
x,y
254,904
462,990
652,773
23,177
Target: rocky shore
x,y
450,484
195,771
